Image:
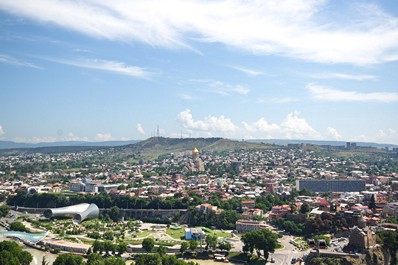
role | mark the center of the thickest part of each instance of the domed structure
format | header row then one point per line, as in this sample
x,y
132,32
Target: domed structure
x,y
195,154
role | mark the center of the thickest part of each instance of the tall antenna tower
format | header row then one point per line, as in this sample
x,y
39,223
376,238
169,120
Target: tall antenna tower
x,y
157,131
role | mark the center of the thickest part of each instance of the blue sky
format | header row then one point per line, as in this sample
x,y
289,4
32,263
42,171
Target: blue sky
x,y
113,70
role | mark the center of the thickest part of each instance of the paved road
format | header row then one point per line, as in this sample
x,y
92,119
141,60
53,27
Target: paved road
x,y
284,256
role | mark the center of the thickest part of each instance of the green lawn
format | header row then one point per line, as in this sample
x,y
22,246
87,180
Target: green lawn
x,y
143,234
176,234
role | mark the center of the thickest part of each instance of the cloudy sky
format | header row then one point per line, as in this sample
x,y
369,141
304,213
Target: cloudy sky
x,y
114,70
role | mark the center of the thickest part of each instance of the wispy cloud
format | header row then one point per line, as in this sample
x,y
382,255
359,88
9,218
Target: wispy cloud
x,y
13,61
249,72
356,77
297,28
221,88
1,130
329,94
109,66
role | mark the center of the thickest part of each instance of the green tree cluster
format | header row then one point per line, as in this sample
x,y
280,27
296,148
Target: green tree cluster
x,y
225,220
4,210
260,240
18,226
156,259
390,240
12,254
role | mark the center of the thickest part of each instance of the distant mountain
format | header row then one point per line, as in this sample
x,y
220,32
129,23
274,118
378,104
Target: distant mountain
x,y
15,145
154,147
316,142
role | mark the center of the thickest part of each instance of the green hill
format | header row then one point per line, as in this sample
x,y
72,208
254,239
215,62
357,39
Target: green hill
x,y
156,146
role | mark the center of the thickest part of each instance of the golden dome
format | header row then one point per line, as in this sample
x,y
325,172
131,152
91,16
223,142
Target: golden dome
x,y
195,151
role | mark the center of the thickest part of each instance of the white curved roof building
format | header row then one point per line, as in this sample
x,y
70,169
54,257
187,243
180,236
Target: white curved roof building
x,y
78,212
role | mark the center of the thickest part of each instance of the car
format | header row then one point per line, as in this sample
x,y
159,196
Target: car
x,y
294,260
272,260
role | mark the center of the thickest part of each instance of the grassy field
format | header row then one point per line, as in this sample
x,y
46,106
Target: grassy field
x,y
143,234
176,234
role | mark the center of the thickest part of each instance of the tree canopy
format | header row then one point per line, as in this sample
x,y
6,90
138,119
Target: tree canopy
x,y
260,240
148,244
12,254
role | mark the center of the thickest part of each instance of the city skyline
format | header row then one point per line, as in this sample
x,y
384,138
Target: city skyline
x,y
98,70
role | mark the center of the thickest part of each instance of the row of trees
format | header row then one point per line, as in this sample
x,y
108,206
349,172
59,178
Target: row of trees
x,y
93,259
105,200
225,220
107,246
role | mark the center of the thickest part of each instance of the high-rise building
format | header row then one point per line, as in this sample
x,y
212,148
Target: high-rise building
x,y
330,185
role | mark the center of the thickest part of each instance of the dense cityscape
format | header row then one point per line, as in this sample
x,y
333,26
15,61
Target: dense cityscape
x,y
291,204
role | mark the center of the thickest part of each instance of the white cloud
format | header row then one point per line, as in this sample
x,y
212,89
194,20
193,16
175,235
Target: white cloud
x,y
1,130
261,126
295,28
140,129
109,66
380,136
356,77
226,89
103,137
45,139
329,94
72,137
332,133
295,127
247,71
13,61
208,125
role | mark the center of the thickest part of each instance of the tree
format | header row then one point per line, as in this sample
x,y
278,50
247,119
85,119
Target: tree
x,y
260,240
98,247
11,253
184,246
148,244
18,226
390,240
372,202
148,259
305,208
4,209
108,246
114,261
109,235
161,250
68,259
95,259
224,245
122,247
193,244
211,242
114,213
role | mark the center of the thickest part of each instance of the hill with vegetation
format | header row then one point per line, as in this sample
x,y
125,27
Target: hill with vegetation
x,y
157,146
